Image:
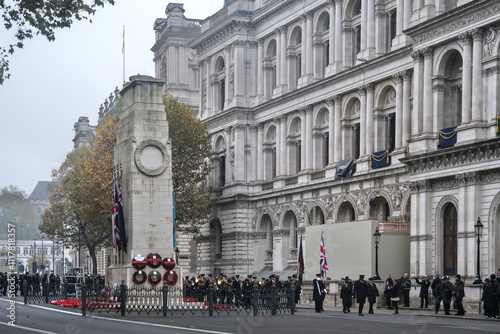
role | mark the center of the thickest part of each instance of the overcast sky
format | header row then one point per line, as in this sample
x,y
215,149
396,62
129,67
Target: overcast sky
x,y
54,83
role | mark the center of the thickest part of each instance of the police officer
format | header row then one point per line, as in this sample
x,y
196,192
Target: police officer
x,y
360,291
459,293
318,293
446,292
406,290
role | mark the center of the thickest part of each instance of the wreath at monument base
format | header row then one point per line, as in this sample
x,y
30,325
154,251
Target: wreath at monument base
x,y
154,260
168,263
139,277
170,277
154,277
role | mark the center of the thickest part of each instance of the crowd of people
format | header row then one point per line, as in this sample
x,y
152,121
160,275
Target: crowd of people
x,y
236,291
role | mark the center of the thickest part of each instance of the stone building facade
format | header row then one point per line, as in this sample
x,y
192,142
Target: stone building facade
x,y
290,90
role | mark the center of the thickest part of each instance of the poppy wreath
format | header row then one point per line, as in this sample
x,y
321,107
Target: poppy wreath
x,y
168,263
170,277
154,277
154,260
139,277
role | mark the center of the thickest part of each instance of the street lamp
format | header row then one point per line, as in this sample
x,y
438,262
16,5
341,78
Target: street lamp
x,y
376,239
43,257
177,255
35,266
478,228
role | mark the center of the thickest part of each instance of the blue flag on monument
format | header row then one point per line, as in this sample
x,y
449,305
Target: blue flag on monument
x,y
121,219
302,266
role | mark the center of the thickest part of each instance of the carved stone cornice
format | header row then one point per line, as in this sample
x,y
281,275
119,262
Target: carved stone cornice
x,y
491,70
463,155
465,19
239,127
239,43
282,5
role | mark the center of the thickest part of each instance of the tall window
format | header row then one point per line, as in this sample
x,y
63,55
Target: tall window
x,y
450,240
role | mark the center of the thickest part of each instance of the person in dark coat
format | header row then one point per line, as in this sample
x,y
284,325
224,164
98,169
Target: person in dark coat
x,y
395,295
388,291
489,298
446,292
406,284
435,292
318,293
345,295
360,291
298,289
424,290
459,293
372,294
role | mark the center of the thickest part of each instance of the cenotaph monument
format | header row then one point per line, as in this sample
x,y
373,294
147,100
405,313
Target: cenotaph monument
x,y
142,162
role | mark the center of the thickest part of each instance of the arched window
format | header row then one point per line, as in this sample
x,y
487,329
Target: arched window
x,y
270,153
270,69
321,45
351,129
220,72
320,143
450,239
346,213
385,121
294,146
295,57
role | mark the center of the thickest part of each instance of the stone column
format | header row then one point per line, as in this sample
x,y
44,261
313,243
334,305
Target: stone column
x,y
260,68
462,197
477,77
406,132
438,103
254,148
239,153
466,78
283,146
227,98
364,25
331,34
416,119
260,152
201,65
303,137
279,64
473,207
283,59
338,134
279,144
209,87
399,107
399,17
338,35
370,29
303,46
309,140
407,14
239,71
369,119
229,176
427,112
331,129
362,121
309,44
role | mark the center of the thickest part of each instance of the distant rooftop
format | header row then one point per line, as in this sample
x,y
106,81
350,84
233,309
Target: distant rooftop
x,y
40,192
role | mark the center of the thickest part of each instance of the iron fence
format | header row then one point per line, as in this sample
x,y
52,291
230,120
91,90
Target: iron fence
x,y
172,300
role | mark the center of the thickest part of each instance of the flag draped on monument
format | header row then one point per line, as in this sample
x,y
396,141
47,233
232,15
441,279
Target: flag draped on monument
x,y
322,258
173,219
302,266
121,220
118,220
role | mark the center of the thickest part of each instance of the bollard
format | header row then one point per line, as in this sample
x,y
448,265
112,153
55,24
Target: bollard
x,y
165,299
46,290
84,299
211,300
123,296
65,289
25,291
255,300
292,299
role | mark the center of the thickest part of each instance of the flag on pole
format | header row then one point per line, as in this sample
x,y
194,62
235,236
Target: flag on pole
x,y
302,266
173,219
123,45
121,219
322,258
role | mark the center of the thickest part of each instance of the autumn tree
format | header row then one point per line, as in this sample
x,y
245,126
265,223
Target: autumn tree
x,y
81,194
28,18
16,209
191,150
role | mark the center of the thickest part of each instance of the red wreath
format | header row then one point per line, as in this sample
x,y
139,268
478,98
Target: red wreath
x,y
136,280
154,277
139,265
154,260
168,263
170,277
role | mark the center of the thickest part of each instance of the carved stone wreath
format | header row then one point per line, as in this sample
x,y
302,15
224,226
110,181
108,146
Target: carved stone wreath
x,y
151,157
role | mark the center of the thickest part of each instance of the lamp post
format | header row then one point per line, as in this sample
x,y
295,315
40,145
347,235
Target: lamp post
x,y
43,257
88,268
478,229
35,266
177,255
376,239
53,255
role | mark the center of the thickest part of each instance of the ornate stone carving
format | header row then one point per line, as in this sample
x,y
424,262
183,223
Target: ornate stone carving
x,y
438,88
344,187
239,127
428,52
490,38
491,71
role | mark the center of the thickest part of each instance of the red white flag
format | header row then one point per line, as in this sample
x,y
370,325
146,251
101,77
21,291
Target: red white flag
x,y
322,258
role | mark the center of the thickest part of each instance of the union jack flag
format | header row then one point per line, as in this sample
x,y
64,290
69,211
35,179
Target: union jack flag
x,y
114,219
322,258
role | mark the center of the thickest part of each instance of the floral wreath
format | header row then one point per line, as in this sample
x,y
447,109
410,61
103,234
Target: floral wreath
x,y
154,277
168,263
139,277
170,277
154,260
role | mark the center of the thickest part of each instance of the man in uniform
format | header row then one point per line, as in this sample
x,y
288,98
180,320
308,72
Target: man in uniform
x,y
318,293
406,290
298,289
372,294
459,293
446,293
360,291
237,290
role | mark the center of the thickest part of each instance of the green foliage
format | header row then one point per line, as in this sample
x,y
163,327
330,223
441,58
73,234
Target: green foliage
x,y
38,17
15,209
191,150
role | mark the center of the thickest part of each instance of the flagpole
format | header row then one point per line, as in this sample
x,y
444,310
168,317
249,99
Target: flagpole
x,y
123,52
